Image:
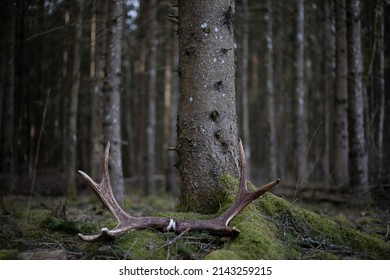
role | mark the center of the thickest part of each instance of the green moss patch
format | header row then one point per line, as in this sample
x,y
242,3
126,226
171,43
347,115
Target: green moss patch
x,y
270,228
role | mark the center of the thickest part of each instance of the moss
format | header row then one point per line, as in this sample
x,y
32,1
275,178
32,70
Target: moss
x,y
8,254
31,226
222,255
258,238
277,229
146,244
323,255
70,227
368,246
270,204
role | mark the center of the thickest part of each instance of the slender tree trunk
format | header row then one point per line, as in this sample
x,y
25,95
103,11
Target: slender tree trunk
x,y
301,139
170,110
329,81
270,92
8,141
65,93
340,146
98,50
379,82
358,169
207,124
112,89
152,93
74,99
245,80
172,156
142,87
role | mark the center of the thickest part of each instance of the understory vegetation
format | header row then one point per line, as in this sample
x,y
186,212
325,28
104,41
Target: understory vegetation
x,y
271,228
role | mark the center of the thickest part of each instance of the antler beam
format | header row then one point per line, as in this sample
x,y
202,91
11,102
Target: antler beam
x,y
127,223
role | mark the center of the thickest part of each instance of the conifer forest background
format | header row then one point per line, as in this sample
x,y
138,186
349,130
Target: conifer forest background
x,y
312,95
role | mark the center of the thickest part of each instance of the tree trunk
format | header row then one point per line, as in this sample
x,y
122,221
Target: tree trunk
x,y
379,82
170,106
98,50
111,123
74,99
7,143
207,122
142,88
66,88
329,82
270,92
340,147
244,81
358,169
152,93
301,140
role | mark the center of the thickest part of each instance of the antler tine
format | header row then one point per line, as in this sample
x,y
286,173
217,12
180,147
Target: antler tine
x,y
244,196
220,224
104,190
126,222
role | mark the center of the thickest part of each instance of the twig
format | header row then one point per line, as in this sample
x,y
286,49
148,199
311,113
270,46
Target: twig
x,y
52,30
37,151
306,153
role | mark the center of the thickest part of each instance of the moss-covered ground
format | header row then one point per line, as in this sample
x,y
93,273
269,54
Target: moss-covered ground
x,y
271,228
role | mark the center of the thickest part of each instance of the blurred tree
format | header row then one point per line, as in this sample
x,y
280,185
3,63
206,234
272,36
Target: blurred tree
x,y
74,101
300,110
339,162
358,168
112,90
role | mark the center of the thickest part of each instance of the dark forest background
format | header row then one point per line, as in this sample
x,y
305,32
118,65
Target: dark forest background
x,y
294,98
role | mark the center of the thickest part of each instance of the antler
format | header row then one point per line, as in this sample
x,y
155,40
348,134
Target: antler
x,y
126,222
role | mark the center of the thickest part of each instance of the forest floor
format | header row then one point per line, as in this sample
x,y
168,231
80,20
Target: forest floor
x,y
49,228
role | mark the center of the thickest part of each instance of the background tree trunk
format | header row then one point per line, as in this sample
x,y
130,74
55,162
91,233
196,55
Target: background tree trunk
x,y
339,162
358,169
329,82
379,83
207,124
301,138
142,89
270,92
150,170
245,81
170,106
8,119
98,50
111,123
74,101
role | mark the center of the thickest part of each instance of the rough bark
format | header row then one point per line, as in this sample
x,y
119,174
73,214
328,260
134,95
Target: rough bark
x,y
207,122
111,122
339,162
358,169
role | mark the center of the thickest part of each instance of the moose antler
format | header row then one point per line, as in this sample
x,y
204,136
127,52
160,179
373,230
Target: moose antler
x,y
218,226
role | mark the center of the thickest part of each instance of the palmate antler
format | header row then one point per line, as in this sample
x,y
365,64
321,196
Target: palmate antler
x,y
126,223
